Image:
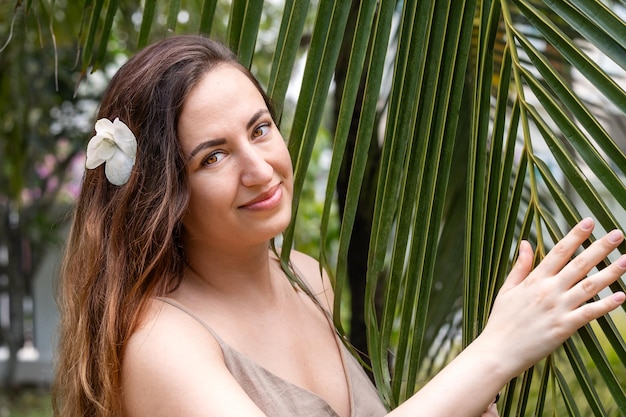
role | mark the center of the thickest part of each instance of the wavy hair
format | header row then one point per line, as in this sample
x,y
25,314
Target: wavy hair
x,y
125,242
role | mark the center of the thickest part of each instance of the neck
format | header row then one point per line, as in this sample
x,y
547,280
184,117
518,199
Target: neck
x,y
239,273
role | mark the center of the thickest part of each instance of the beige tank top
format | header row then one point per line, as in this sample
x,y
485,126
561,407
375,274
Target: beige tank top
x,y
277,397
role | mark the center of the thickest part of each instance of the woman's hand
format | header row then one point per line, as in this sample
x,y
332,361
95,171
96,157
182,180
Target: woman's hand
x,y
491,411
535,311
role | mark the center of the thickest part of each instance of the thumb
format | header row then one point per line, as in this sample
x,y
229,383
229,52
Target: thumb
x,y
522,267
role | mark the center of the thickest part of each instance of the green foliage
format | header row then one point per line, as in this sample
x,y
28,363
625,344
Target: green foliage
x,y
308,239
42,124
26,403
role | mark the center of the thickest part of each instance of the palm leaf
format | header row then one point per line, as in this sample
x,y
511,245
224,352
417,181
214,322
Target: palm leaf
x,y
243,27
322,56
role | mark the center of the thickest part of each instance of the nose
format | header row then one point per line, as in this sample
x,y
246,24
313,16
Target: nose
x,y
255,167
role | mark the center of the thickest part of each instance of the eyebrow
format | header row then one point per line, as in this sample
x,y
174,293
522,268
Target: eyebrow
x,y
220,141
256,116
205,145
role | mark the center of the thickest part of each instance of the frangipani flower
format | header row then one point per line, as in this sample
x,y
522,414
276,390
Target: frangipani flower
x,y
114,145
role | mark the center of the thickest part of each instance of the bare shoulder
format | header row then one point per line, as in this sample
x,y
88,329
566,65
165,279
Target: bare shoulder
x,y
172,365
315,277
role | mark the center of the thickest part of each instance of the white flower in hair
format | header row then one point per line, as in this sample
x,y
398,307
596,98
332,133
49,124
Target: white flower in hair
x,y
114,145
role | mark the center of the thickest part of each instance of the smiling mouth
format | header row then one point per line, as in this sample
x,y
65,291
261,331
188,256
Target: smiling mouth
x,y
265,201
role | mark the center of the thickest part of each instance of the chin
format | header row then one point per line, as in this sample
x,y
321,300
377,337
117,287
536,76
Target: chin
x,y
283,223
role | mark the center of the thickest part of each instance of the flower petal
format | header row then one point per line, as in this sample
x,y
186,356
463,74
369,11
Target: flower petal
x,y
99,149
124,138
104,127
119,168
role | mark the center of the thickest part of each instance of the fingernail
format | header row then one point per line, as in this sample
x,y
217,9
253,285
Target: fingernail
x,y
586,224
621,262
615,236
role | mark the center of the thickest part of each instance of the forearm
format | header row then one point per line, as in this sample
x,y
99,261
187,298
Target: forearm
x,y
464,388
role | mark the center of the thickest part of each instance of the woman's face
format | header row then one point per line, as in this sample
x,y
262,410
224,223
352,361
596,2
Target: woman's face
x,y
239,169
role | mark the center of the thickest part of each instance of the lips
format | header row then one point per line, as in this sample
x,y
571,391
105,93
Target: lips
x,y
266,200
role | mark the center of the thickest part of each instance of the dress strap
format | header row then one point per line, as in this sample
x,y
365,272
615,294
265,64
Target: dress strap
x,y
192,315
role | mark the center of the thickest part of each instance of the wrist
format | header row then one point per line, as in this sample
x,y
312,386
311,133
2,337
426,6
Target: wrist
x,y
474,377
496,357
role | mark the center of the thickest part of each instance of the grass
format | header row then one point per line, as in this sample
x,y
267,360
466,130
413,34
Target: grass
x,y
26,402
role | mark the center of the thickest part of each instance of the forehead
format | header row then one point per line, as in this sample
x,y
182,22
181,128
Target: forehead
x,y
223,99
223,85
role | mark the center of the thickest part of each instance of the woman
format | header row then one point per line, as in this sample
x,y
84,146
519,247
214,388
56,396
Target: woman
x,y
173,303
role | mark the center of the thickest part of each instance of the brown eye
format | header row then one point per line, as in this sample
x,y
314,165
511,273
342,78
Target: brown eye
x,y
260,130
213,158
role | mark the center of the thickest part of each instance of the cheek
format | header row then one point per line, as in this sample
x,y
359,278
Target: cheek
x,y
288,168
203,208
205,197
284,161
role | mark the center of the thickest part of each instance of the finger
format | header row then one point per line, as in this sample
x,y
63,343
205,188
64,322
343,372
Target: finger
x,y
491,411
591,311
563,251
590,257
522,267
591,286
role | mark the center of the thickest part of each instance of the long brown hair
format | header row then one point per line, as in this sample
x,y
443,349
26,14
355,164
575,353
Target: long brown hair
x,y
124,245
